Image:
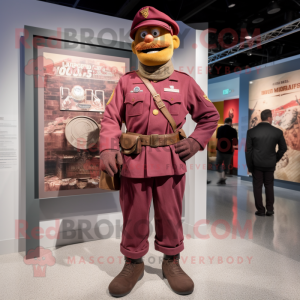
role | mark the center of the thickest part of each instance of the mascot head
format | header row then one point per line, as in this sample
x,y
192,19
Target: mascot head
x,y
155,36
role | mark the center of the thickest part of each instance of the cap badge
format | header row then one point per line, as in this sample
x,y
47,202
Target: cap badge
x,y
145,12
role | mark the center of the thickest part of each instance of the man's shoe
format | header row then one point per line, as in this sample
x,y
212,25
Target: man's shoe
x,y
123,283
222,181
178,280
260,214
269,213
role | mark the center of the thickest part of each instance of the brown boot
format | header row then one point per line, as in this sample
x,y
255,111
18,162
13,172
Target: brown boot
x,y
179,281
123,283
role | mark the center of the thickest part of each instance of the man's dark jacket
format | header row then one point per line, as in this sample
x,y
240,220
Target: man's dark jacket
x,y
227,138
261,147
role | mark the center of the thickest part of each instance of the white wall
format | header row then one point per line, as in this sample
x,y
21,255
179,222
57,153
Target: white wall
x,y
192,57
17,13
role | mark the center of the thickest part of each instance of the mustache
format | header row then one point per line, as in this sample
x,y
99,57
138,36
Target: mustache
x,y
153,45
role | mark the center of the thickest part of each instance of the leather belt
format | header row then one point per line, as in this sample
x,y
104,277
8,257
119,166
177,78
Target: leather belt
x,y
158,140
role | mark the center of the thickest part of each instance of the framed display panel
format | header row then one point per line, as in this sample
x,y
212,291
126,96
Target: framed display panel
x,y
39,77
73,85
280,93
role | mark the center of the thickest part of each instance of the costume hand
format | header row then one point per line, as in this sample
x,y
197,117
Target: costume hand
x,y
110,159
187,148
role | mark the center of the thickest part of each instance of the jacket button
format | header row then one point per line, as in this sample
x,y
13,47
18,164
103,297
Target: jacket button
x,y
155,112
132,99
172,99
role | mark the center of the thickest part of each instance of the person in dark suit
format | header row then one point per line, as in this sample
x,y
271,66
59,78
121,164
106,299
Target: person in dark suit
x,y
227,140
261,158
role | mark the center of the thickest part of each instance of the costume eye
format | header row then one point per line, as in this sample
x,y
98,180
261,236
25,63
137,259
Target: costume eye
x,y
155,32
143,34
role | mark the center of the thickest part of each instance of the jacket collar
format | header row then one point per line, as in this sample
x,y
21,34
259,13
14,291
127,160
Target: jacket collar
x,y
172,77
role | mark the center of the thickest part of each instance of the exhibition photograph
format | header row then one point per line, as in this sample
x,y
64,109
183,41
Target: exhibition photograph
x,y
150,150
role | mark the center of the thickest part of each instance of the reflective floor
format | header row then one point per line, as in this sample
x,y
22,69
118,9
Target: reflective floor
x,y
235,204
241,257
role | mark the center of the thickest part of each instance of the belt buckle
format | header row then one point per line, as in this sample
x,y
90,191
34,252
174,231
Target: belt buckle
x,y
154,141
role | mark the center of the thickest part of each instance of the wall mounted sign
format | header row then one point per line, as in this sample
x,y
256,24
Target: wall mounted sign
x,y
227,91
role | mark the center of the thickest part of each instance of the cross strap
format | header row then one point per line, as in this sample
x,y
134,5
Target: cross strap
x,y
160,104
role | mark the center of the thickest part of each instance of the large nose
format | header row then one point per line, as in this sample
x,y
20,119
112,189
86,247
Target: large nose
x,y
148,38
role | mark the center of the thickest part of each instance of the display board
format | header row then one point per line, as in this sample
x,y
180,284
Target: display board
x,y
35,107
72,94
281,94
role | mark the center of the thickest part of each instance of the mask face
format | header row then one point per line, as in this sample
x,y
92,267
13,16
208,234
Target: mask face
x,y
154,46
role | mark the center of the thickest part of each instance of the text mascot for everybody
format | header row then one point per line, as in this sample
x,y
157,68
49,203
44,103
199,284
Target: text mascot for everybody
x,y
153,102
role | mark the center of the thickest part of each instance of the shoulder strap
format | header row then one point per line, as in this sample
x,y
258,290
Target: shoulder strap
x,y
160,104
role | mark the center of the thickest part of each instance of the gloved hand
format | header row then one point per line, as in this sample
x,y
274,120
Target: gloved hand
x,y
111,160
187,148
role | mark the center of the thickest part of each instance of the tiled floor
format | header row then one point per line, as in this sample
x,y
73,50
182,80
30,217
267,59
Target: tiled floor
x,y
261,263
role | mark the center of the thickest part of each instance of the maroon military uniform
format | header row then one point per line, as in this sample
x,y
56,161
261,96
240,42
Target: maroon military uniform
x,y
155,172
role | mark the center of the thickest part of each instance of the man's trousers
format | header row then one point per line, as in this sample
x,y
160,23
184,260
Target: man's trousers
x,y
226,158
261,178
135,199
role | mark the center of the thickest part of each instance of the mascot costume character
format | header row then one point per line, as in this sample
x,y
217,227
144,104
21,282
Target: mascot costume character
x,y
153,102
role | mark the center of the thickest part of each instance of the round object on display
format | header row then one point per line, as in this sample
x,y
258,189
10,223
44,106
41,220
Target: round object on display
x,y
77,93
82,132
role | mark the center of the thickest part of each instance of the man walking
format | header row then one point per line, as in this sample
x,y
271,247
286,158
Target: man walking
x,y
227,139
261,158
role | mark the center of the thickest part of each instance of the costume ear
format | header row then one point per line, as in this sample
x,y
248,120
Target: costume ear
x,y
176,41
133,47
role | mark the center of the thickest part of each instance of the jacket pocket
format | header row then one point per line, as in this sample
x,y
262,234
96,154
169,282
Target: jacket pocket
x,y
173,102
134,104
